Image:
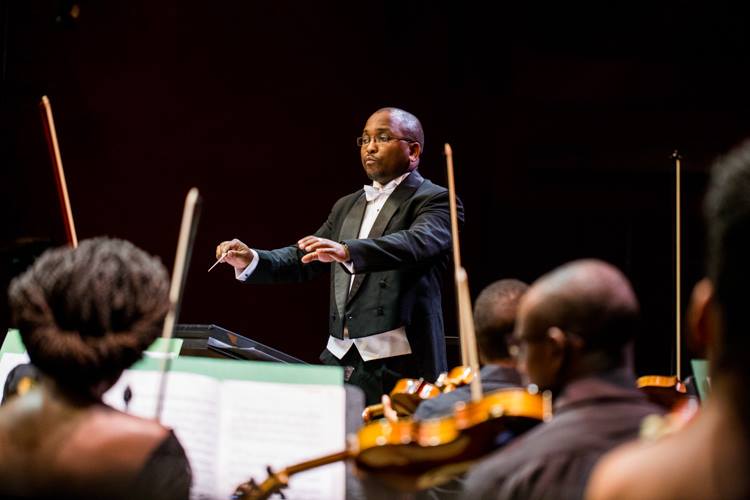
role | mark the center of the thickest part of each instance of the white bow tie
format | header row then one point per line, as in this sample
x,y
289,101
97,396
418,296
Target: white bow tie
x,y
372,193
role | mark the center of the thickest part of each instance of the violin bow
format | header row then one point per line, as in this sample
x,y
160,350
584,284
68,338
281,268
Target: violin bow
x,y
188,228
675,380
469,354
454,240
678,278
62,187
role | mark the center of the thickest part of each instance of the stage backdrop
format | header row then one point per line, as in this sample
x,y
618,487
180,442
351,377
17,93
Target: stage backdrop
x,y
562,123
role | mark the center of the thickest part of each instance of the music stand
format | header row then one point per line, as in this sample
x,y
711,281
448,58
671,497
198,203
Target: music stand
x,y
215,341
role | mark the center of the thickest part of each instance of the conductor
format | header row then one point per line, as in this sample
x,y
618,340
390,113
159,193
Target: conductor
x,y
387,246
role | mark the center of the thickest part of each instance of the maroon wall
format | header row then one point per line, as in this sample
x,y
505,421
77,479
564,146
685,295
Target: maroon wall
x,y
561,122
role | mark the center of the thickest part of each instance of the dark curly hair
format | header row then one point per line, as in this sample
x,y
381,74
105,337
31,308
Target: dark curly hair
x,y
88,313
495,317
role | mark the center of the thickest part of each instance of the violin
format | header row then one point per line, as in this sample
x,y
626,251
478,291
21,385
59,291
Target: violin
x,y
666,391
458,376
405,397
408,393
669,390
411,456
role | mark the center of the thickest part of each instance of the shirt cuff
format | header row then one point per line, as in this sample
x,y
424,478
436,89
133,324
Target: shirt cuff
x,y
245,273
349,265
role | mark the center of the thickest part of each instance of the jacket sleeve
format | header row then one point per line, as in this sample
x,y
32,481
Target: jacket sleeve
x,y
283,265
425,242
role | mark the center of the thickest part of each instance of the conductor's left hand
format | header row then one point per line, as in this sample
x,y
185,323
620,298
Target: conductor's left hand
x,y
323,250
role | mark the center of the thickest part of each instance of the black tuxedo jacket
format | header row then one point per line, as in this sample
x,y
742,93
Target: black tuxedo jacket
x,y
398,268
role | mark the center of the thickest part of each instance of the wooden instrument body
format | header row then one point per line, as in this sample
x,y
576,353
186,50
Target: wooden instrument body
x,y
455,378
408,393
419,455
405,397
664,390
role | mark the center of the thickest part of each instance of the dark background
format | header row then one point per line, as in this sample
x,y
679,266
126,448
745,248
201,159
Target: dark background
x,y
562,119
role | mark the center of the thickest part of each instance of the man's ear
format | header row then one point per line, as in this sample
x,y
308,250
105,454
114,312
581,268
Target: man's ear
x,y
555,351
415,150
558,338
702,318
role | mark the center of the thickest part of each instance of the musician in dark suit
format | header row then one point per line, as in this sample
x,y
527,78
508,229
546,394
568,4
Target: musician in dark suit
x,y
573,331
494,320
387,246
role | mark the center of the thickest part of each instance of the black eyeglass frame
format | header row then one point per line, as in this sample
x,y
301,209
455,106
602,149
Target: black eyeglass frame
x,y
361,139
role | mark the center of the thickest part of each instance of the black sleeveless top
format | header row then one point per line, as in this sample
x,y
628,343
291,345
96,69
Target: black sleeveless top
x,y
165,475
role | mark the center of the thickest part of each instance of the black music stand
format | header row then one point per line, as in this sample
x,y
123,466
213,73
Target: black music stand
x,y
215,341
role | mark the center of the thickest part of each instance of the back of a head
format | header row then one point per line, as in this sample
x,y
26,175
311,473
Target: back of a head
x,y
727,211
86,314
495,317
592,300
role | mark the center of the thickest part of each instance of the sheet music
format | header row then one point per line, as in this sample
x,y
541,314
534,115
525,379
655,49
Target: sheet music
x,y
231,430
8,361
191,408
280,425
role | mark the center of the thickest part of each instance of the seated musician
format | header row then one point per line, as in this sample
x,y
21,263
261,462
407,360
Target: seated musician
x,y
574,325
710,457
494,319
85,315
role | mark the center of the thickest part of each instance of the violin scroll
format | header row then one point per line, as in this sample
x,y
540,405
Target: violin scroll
x,y
455,378
405,397
251,490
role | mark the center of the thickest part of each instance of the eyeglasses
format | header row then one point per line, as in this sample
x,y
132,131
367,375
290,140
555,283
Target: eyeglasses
x,y
519,348
381,138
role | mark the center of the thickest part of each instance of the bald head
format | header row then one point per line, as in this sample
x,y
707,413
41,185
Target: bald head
x,y
587,298
409,125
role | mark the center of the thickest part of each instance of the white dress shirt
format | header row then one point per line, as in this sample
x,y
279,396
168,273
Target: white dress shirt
x,y
381,345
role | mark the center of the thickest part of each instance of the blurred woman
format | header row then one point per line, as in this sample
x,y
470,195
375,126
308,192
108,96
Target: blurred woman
x,y
85,315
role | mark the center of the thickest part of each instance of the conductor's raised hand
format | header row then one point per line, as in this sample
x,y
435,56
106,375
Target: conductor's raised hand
x,y
235,253
323,250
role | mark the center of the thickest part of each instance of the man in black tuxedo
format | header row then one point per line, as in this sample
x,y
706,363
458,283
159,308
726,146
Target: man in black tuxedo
x,y
388,246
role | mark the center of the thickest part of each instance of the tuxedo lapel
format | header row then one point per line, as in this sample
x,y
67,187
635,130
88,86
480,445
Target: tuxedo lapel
x,y
349,231
402,193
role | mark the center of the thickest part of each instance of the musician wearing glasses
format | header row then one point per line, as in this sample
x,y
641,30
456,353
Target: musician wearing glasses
x,y
387,247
